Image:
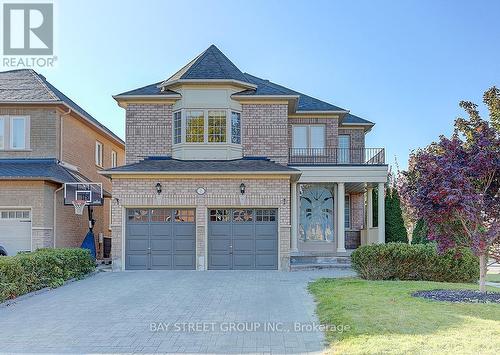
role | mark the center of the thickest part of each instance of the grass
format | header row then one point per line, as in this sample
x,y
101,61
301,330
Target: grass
x,y
491,277
383,317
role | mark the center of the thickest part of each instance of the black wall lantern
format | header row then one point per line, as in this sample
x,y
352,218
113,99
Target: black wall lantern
x,y
242,188
158,188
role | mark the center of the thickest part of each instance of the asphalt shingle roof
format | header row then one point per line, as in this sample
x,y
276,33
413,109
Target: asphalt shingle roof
x,y
151,89
350,118
167,164
26,85
43,169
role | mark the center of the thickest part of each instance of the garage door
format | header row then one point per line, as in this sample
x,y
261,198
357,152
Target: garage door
x,y
160,239
242,239
15,230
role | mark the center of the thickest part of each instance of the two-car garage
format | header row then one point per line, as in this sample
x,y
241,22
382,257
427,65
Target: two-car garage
x,y
165,238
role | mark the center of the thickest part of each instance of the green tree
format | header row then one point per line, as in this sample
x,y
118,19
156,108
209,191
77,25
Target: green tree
x,y
420,233
395,230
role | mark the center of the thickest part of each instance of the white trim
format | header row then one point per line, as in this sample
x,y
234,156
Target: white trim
x,y
26,131
114,158
99,154
260,97
3,120
167,83
146,97
111,173
350,173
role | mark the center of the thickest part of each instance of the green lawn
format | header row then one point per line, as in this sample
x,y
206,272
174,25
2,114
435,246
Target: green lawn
x,y
491,277
383,317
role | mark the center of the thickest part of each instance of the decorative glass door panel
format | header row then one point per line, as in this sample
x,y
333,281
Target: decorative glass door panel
x,y
316,212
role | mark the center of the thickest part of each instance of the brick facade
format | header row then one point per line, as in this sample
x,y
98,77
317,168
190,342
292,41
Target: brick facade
x,y
148,131
265,131
272,192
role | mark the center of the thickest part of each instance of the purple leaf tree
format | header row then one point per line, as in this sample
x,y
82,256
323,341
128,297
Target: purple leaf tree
x,y
453,185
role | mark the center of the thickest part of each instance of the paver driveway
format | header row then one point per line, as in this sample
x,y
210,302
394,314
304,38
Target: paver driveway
x,y
168,311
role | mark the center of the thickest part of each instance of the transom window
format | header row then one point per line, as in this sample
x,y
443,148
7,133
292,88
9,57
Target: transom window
x,y
206,126
308,139
265,215
14,214
219,215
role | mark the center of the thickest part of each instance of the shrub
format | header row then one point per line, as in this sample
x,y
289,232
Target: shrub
x,y
401,261
395,230
27,272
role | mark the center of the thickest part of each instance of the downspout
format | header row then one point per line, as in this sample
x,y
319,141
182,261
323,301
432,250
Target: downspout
x,y
55,213
61,133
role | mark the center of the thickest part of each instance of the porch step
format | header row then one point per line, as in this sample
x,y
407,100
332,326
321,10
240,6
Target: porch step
x,y
319,262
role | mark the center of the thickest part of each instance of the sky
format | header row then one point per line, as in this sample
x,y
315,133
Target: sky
x,y
404,65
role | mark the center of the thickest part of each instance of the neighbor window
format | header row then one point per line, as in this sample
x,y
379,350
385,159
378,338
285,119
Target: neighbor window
x,y
2,133
195,127
177,127
216,126
235,127
113,159
308,139
347,212
18,132
98,154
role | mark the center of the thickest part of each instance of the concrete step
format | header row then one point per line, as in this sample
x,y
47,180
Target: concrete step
x,y
296,259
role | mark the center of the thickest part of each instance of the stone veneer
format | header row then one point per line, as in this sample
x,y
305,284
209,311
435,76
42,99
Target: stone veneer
x,y
272,192
148,131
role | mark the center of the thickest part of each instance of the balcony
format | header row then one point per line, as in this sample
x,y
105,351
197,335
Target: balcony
x,y
336,156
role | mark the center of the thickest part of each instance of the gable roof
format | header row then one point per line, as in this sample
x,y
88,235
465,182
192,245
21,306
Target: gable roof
x,y
166,165
28,86
355,120
211,64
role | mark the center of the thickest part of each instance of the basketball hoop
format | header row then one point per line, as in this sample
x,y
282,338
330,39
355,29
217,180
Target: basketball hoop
x,y
79,206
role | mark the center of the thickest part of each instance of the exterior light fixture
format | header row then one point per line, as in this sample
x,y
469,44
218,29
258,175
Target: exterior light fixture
x,y
242,188
158,188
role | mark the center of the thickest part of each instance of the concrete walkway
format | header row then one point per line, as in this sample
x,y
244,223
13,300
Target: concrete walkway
x,y
169,311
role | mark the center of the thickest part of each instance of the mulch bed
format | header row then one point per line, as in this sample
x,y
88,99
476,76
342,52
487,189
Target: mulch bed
x,y
469,296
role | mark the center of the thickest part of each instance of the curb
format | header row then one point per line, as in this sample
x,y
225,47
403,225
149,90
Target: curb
x,y
44,290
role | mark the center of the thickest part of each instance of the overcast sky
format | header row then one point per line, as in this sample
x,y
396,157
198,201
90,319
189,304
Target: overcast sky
x,y
403,64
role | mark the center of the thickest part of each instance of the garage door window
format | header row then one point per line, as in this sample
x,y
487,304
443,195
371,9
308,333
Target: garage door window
x,y
266,215
184,216
160,215
14,214
138,215
243,215
220,215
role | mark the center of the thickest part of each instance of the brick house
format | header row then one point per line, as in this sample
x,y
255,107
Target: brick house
x,y
225,170
46,139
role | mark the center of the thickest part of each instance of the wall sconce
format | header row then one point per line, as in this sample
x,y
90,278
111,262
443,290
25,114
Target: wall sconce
x,y
242,188
158,188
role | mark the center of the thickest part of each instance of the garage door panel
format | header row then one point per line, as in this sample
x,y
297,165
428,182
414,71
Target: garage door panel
x,y
265,245
248,242
137,262
15,235
155,242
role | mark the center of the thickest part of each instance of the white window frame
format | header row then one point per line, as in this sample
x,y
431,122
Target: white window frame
x,y
347,211
114,159
174,135
3,124
344,154
231,127
309,148
183,112
26,131
99,148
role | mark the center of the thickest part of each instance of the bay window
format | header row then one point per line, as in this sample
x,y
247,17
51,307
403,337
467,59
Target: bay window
x,y
206,126
216,126
195,127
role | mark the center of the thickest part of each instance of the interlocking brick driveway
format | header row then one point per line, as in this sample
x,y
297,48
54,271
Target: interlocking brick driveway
x,y
114,312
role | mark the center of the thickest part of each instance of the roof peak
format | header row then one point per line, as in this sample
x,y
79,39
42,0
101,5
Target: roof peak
x,y
211,64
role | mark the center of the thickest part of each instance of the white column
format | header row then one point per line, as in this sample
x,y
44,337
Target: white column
x,y
369,208
340,217
294,222
381,213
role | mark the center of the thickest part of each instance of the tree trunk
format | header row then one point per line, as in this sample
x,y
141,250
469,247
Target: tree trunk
x,y
483,266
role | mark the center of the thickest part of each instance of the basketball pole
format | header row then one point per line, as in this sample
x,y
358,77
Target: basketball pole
x,y
91,218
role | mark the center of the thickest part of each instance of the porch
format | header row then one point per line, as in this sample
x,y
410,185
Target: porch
x,y
332,213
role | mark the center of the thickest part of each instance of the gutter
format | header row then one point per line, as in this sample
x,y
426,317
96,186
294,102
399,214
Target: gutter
x,y
109,173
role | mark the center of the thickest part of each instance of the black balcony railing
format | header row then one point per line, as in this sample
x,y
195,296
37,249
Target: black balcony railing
x,y
348,156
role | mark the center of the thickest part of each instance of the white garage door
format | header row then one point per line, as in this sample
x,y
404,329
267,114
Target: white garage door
x,y
15,230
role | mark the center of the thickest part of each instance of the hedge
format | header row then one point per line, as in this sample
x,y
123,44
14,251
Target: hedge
x,y
401,261
27,272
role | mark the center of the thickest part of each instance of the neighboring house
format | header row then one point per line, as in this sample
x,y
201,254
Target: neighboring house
x,y
225,170
46,139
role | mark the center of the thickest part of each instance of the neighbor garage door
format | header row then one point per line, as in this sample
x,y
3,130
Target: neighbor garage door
x,y
160,238
15,230
242,239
